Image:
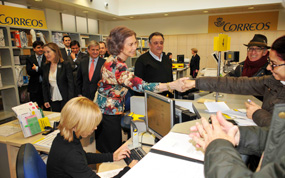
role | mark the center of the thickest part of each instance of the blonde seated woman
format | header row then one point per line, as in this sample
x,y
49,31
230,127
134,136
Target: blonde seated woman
x,y
79,118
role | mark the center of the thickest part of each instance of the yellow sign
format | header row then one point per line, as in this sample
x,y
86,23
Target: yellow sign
x,y
177,65
222,43
14,16
263,21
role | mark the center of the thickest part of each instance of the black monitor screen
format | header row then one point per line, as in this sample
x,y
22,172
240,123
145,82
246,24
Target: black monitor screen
x,y
180,58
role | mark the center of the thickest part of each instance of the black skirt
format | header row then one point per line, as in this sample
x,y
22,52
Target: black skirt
x,y
109,134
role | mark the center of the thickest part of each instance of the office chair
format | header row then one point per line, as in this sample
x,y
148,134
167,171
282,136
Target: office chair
x,y
29,163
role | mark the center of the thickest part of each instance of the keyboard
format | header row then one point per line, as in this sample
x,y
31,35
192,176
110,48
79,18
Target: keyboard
x,y
47,141
136,154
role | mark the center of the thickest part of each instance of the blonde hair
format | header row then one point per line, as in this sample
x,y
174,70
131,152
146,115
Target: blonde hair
x,y
195,50
80,115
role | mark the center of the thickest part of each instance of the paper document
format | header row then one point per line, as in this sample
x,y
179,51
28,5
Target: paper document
x,y
216,106
157,165
8,130
239,115
180,144
108,174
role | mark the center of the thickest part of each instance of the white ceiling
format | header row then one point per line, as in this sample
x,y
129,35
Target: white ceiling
x,y
96,14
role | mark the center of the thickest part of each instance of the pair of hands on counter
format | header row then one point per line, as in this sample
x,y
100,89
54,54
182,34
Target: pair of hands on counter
x,y
184,84
203,134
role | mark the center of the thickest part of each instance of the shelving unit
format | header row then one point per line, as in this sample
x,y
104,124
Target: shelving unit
x,y
142,44
86,38
9,90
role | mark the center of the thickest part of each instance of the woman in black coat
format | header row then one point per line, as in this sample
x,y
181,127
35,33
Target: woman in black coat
x,y
195,63
58,85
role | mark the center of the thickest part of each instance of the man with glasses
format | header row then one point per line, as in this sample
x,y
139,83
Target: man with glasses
x,y
154,65
256,61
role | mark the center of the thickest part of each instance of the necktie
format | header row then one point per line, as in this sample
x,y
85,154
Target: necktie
x,y
40,62
68,52
91,70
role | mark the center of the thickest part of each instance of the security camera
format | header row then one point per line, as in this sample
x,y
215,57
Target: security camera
x,y
106,4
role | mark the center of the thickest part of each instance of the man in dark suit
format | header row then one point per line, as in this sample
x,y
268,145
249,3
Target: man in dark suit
x,y
66,51
89,71
103,50
34,66
74,59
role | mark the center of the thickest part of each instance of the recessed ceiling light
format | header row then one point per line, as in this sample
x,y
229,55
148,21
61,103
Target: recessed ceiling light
x,y
85,12
205,11
131,17
251,8
165,14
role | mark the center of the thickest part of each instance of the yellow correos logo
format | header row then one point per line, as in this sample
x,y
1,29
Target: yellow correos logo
x,y
14,16
243,22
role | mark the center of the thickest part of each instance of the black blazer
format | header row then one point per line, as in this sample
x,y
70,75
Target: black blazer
x,y
64,80
34,82
75,64
64,54
85,87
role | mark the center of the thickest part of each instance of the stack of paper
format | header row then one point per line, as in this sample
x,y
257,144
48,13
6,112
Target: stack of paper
x,y
173,156
29,115
239,115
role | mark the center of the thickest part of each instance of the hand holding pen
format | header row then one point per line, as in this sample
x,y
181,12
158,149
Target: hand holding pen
x,y
251,107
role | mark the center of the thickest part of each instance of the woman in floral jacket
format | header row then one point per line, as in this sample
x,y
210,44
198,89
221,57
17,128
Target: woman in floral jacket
x,y
116,80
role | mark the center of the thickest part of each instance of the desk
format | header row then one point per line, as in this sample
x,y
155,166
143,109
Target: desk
x,y
13,143
232,100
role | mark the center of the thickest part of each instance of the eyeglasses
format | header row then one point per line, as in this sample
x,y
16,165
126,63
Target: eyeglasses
x,y
273,65
258,49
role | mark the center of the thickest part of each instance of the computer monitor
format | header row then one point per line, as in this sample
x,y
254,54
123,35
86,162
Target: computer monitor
x,y
231,56
160,114
180,58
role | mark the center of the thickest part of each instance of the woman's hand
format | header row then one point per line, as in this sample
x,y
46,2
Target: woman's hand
x,y
251,107
220,129
121,153
189,84
47,105
178,84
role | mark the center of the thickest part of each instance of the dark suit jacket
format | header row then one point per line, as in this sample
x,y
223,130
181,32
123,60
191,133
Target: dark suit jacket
x,y
64,80
34,82
64,54
74,66
86,87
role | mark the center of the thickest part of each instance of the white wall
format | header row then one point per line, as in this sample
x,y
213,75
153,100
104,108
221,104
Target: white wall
x,y
134,7
195,24
53,19
95,5
168,25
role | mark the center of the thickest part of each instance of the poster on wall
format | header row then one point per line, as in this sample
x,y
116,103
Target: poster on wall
x,y
21,17
264,21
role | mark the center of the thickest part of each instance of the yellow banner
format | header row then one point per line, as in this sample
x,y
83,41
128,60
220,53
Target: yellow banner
x,y
14,16
263,21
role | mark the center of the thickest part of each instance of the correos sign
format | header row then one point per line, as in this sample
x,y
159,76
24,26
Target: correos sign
x,y
243,22
14,16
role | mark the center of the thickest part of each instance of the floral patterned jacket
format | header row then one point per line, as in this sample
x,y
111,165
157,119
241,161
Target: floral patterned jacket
x,y
114,85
